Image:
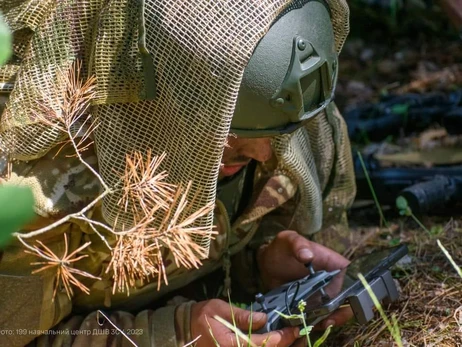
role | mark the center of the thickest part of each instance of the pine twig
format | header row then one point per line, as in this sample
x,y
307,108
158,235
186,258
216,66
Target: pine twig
x,y
64,270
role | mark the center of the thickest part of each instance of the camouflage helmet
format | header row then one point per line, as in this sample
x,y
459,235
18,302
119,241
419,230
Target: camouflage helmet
x,y
291,75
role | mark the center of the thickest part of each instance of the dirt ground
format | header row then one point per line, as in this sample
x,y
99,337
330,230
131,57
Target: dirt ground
x,y
429,310
400,51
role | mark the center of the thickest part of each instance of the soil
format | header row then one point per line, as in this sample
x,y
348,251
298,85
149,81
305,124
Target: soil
x,y
403,50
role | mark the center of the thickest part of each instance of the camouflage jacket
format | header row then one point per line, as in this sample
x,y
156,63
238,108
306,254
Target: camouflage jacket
x,y
61,186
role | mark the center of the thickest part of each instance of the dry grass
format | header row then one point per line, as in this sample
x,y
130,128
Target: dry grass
x,y
430,292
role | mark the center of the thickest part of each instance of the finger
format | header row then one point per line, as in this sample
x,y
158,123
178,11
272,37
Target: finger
x,y
299,245
283,337
338,318
245,319
301,342
328,259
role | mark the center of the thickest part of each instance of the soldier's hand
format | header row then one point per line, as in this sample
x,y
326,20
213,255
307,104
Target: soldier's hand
x,y
202,314
284,259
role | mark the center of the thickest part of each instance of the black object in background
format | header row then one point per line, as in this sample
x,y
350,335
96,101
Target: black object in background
x,y
410,112
427,190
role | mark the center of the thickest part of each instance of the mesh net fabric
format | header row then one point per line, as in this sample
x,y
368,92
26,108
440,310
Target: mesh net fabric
x,y
322,168
199,50
296,159
342,187
318,157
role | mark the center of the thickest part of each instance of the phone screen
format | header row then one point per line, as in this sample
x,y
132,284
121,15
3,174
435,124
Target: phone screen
x,y
346,282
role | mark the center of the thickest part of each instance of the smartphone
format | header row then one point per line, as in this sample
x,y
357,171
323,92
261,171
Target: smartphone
x,y
345,287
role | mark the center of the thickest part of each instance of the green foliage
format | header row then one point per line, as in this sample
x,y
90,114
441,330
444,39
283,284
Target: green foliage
x,y
453,263
394,241
371,187
403,206
436,230
16,209
405,210
5,42
239,305
240,336
323,337
306,330
393,326
401,109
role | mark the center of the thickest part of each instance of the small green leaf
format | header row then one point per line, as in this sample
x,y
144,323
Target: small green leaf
x,y
5,41
401,203
239,305
400,109
436,230
16,209
395,241
286,316
305,331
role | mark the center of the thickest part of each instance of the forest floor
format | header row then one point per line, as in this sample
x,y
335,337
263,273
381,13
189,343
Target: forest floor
x,y
398,51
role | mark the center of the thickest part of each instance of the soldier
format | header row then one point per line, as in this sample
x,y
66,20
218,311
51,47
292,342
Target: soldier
x,y
239,97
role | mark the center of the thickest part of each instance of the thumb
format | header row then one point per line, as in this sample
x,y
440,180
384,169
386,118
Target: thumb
x,y
301,248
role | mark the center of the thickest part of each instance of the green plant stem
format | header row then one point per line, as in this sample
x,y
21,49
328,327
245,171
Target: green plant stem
x,y
234,322
420,223
392,328
239,334
371,187
453,263
250,325
306,329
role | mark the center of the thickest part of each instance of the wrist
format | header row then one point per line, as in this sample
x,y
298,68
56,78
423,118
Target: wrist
x,y
183,323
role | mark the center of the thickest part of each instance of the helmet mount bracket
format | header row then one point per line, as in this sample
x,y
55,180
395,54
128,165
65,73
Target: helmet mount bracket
x,y
305,62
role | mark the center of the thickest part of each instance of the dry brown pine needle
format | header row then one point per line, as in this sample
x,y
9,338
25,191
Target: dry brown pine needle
x,y
63,266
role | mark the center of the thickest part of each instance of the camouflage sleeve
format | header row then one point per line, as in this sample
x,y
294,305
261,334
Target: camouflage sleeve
x,y
34,296
28,310
245,266
167,327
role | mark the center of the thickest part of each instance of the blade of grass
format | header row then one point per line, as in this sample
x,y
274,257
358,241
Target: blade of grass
x,y
420,223
250,325
211,333
392,328
193,342
453,263
371,187
323,337
234,321
237,332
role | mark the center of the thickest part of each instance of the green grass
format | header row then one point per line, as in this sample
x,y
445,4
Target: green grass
x,y
393,326
374,195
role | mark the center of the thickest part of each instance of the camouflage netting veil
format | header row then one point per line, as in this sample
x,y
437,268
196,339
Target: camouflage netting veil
x,y
168,74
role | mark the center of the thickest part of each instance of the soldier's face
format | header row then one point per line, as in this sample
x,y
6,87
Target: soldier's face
x,y
241,150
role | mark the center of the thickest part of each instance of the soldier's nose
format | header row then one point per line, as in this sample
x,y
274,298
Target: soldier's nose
x,y
259,149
